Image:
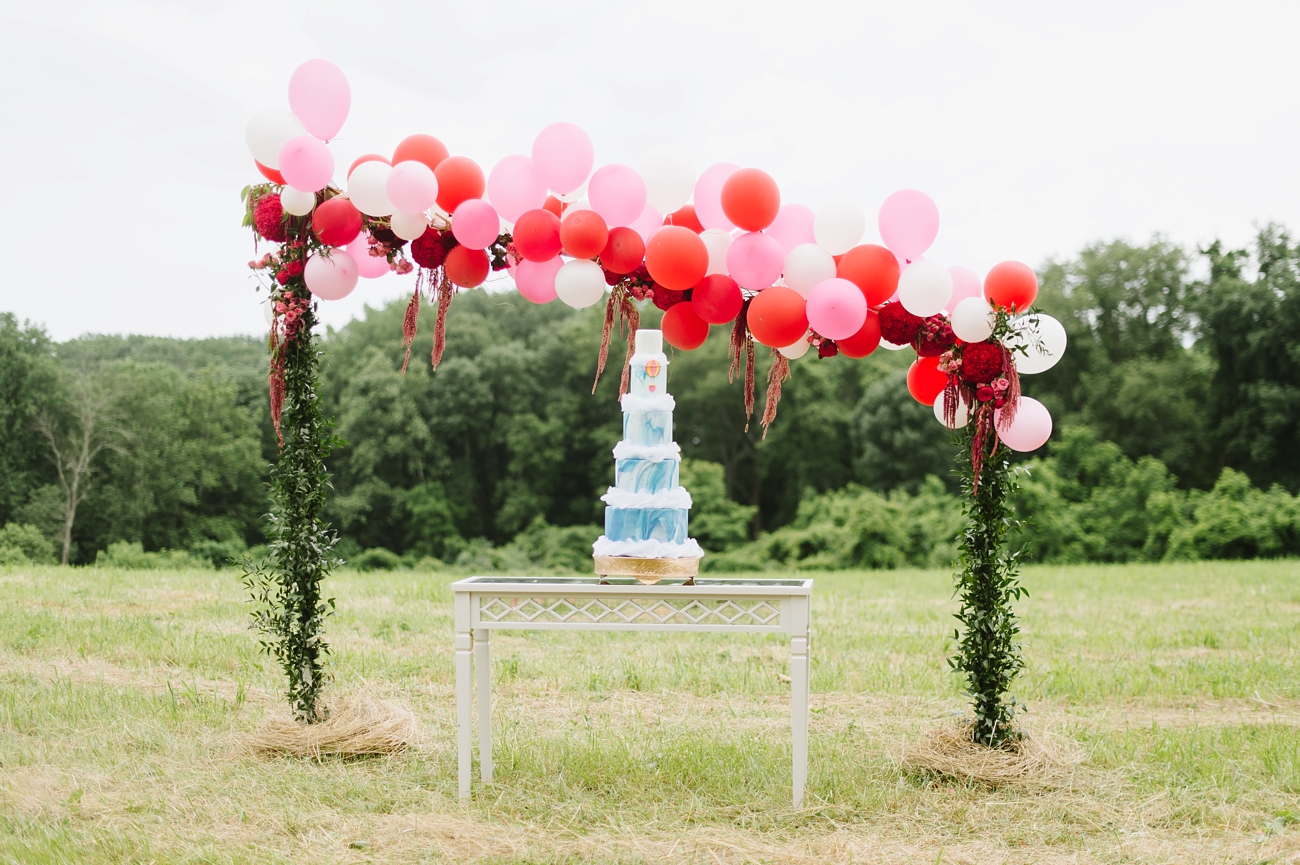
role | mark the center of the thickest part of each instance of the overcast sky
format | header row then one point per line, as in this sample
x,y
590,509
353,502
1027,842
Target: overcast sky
x,y
1036,127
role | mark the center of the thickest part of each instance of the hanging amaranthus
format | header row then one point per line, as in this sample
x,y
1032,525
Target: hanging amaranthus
x,y
776,376
619,307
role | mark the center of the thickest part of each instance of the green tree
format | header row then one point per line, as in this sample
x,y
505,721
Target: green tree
x,y
28,379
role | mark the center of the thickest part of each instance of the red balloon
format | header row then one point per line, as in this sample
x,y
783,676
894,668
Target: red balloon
x,y
336,222
924,380
871,268
717,299
683,328
421,148
553,205
685,217
1011,285
865,341
467,267
459,180
623,251
778,316
583,234
537,235
369,157
676,257
751,199
270,173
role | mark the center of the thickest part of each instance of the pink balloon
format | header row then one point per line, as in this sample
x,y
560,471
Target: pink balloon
x,y
708,196
792,227
514,188
412,187
368,266
320,96
836,308
536,279
563,156
617,193
1030,429
965,283
754,260
475,224
909,223
331,278
306,163
648,223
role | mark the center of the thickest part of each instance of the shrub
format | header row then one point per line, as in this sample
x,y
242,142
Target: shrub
x,y
22,544
131,554
377,559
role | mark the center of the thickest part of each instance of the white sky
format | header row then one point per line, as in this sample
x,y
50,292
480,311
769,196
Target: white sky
x,y
1036,127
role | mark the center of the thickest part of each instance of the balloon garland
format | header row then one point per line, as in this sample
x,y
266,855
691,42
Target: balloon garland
x,y
716,248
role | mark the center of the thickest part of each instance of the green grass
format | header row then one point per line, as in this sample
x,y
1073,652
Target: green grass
x,y
126,699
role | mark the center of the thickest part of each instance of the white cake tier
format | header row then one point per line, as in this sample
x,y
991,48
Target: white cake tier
x,y
676,497
658,402
629,451
647,549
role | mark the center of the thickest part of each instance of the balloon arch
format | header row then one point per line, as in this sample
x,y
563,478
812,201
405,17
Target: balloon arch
x,y
717,248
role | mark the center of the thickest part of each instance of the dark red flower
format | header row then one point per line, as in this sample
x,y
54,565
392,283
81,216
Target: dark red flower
x,y
935,337
612,278
897,325
428,249
984,393
293,268
282,277
666,298
828,348
268,218
389,239
981,362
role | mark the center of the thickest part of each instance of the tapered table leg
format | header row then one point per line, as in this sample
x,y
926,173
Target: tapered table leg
x,y
483,673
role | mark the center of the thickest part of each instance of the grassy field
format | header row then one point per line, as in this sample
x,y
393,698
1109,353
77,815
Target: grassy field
x,y
126,700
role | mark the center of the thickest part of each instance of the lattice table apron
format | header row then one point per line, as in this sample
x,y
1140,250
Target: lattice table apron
x,y
484,604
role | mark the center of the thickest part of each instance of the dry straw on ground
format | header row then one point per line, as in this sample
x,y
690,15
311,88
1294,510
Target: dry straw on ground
x,y
355,726
1033,759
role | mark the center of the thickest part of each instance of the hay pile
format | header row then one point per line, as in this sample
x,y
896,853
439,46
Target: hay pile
x,y
356,726
1038,759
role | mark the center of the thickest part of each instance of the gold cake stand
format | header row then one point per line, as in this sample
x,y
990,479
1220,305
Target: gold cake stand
x,y
647,571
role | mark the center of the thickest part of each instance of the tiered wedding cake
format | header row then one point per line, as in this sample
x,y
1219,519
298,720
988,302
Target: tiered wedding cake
x,y
646,509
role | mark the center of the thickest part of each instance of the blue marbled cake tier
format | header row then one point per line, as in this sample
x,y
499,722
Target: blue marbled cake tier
x,y
646,476
649,376
644,524
648,427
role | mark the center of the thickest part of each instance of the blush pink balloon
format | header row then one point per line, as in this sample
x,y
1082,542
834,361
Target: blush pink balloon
x,y
331,278
536,279
514,188
648,223
306,163
320,97
965,283
412,187
909,223
368,266
617,193
475,224
754,260
563,156
1030,429
708,196
836,308
792,227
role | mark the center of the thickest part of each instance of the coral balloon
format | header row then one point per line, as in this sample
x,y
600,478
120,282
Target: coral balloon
x,y
306,163
865,341
1029,429
514,188
412,187
331,278
563,155
777,317
717,299
459,180
421,148
475,224
924,380
909,223
873,269
368,266
676,258
617,193
536,279
580,283
320,97
754,260
270,173
685,217
368,157
750,199
553,205
836,308
683,328
1010,285
583,233
336,222
708,196
467,267
537,235
792,227
623,251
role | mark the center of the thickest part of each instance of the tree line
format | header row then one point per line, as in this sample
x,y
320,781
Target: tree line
x,y
1177,409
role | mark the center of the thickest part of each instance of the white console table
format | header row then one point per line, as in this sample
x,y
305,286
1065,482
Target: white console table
x,y
485,604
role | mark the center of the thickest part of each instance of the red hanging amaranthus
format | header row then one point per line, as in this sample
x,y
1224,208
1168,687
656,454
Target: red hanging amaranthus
x,y
776,376
743,343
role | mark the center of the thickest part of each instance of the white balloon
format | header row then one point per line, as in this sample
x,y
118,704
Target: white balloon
x,y
409,226
972,320
806,266
962,416
268,312
798,349
925,288
580,283
717,242
368,188
268,130
1044,348
886,344
839,226
296,201
669,178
